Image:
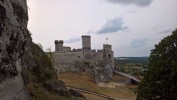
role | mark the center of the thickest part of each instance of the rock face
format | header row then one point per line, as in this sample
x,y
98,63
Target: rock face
x,y
14,42
103,73
75,93
14,36
57,86
22,62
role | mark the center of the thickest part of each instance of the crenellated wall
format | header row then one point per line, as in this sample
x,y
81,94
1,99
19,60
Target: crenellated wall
x,y
100,62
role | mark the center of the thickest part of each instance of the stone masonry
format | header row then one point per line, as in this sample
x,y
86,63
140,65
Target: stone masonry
x,y
100,62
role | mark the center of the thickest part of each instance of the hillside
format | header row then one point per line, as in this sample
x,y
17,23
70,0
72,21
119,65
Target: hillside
x,y
122,60
83,81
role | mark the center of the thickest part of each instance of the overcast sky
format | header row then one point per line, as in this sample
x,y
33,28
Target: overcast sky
x,y
132,27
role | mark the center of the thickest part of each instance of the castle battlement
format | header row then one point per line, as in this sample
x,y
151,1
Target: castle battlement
x,y
59,42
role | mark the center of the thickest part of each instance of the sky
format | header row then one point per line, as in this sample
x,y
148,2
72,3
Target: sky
x,y
132,27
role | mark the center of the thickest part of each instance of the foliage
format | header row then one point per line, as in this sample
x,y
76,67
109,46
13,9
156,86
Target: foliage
x,y
131,65
44,69
39,45
160,80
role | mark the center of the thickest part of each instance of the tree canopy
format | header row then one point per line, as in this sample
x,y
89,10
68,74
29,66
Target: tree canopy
x,y
160,80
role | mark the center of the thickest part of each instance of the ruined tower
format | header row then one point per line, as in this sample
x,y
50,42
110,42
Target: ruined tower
x,y
108,53
58,45
107,47
86,43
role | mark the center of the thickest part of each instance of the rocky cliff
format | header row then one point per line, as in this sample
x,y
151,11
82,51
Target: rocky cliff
x,y
14,36
14,42
22,63
26,72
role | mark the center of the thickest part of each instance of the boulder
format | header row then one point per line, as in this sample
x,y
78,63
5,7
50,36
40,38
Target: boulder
x,y
57,86
75,93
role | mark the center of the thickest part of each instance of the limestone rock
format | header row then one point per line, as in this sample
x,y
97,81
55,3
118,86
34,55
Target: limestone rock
x,y
14,36
14,42
104,73
57,86
75,93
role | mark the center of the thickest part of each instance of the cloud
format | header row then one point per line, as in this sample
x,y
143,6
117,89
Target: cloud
x,y
137,43
165,31
72,40
130,11
141,3
112,25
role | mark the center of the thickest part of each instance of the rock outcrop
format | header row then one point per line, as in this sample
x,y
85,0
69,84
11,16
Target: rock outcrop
x,y
57,86
76,93
14,42
21,61
14,35
102,71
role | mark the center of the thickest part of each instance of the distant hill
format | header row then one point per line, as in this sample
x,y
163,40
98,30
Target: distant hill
x,y
123,61
133,59
131,65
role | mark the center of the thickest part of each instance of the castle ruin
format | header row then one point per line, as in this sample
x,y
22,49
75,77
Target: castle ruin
x,y
84,59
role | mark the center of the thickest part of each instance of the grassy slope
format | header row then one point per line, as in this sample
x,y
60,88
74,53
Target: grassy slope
x,y
36,69
84,82
43,94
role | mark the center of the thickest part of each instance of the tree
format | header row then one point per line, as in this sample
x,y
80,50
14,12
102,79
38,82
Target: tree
x,y
40,45
160,80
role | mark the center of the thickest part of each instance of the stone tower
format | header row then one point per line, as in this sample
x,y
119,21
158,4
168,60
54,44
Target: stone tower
x,y
86,43
108,53
107,47
59,45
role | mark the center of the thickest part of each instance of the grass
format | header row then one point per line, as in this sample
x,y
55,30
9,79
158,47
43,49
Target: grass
x,y
85,82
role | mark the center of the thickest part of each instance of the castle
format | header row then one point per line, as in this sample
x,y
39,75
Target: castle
x,y
66,59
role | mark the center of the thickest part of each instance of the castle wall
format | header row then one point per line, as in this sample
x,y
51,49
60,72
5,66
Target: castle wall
x,y
99,55
67,49
83,59
68,57
65,61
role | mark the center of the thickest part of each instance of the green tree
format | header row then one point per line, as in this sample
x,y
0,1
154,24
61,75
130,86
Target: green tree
x,y
40,45
160,80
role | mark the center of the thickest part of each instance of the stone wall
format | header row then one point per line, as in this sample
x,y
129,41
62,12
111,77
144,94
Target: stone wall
x,y
67,57
67,49
100,63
